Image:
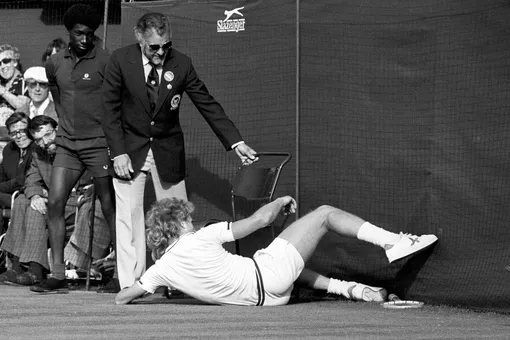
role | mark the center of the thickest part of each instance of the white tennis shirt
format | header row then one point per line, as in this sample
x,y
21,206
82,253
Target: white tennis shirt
x,y
199,266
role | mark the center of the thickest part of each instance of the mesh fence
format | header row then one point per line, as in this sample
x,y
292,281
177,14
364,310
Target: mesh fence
x,y
402,118
414,99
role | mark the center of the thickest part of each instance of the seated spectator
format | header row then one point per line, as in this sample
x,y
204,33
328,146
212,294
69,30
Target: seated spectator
x,y
26,240
16,157
38,91
53,47
11,83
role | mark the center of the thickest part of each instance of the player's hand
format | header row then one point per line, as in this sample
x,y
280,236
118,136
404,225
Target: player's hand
x,y
123,167
39,204
246,154
289,205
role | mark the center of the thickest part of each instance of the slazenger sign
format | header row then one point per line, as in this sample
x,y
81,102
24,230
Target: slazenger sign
x,y
231,25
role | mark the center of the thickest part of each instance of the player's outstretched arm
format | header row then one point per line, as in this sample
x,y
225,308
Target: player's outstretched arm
x,y
263,217
127,295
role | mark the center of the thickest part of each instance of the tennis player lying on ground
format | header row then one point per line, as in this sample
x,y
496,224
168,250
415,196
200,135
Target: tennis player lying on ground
x,y
195,263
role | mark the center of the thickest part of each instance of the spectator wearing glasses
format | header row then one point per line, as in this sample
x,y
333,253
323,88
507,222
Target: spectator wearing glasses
x,y
75,77
38,91
17,156
26,240
142,92
11,83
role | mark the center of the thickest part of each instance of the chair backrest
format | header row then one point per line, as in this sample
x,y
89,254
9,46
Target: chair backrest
x,y
254,182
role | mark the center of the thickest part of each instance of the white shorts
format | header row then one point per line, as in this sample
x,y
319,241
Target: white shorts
x,y
280,265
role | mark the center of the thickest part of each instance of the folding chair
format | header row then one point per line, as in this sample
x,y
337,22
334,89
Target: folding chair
x,y
256,183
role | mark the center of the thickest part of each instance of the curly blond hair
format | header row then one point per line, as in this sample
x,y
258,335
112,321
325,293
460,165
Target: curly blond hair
x,y
164,223
7,47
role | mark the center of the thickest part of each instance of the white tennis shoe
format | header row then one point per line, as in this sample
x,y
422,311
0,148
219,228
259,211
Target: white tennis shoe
x,y
361,292
407,245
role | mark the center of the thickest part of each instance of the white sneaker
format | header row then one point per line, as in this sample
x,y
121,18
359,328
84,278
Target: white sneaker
x,y
362,292
408,244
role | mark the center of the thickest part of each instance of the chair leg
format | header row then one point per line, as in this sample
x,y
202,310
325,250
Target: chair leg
x,y
92,216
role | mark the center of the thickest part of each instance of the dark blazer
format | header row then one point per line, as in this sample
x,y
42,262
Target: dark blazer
x,y
12,175
38,177
132,129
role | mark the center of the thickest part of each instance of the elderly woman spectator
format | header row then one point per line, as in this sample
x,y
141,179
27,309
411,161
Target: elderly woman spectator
x,y
11,83
53,47
41,102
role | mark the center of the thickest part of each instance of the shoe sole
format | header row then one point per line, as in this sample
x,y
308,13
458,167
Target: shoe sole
x,y
3,283
16,284
415,250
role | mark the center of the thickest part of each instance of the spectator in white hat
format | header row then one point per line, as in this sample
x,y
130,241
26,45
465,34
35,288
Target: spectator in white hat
x,y
39,93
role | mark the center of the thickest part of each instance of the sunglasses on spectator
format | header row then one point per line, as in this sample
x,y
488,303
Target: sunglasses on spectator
x,y
34,84
156,47
18,133
6,61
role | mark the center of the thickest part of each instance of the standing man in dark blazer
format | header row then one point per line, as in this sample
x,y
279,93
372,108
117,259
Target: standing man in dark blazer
x,y
142,92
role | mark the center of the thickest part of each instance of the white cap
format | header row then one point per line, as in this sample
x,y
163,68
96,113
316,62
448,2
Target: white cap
x,y
36,73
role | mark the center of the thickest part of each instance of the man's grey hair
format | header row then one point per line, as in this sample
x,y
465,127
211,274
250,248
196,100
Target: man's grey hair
x,y
149,21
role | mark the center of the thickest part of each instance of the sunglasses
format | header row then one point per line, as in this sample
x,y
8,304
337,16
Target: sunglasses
x,y
6,61
156,47
18,133
34,84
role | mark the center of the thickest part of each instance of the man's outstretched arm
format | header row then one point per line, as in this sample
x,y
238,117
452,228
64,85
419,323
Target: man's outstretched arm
x,y
263,217
127,295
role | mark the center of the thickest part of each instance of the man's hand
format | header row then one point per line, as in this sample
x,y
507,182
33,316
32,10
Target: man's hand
x,y
39,204
246,154
123,167
289,205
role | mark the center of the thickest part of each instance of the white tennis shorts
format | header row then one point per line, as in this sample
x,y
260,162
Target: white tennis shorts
x,y
280,265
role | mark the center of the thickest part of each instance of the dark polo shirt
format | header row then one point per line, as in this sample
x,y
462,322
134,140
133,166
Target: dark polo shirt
x,y
75,85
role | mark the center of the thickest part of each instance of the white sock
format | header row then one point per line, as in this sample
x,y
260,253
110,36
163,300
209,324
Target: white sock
x,y
339,287
375,235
